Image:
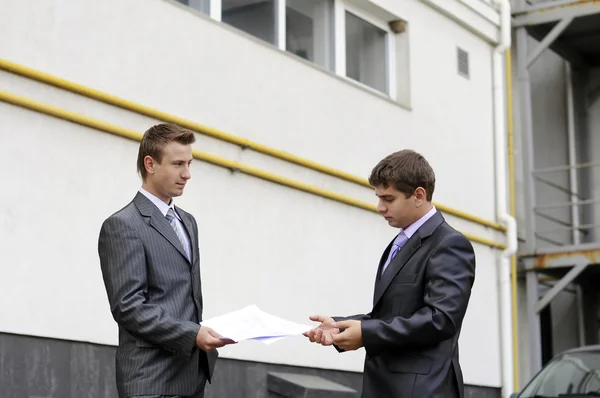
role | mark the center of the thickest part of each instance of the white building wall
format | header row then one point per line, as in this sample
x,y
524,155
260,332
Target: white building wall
x,y
290,253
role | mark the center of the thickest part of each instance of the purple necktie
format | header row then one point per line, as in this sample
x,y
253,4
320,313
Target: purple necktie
x,y
396,246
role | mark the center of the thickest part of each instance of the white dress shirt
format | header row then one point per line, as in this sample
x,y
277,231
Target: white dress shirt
x,y
164,208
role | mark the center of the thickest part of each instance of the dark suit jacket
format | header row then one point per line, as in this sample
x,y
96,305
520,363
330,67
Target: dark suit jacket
x,y
155,297
411,335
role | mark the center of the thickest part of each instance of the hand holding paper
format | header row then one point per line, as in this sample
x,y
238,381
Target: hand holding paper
x,y
250,323
207,339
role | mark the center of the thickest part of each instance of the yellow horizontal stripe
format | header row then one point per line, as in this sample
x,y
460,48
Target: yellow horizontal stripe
x,y
211,132
484,241
215,160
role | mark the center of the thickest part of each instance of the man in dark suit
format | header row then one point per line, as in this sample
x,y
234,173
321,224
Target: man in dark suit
x,y
151,269
422,289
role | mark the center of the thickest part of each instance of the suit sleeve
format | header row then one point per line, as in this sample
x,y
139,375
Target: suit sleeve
x,y
449,278
358,317
123,263
196,246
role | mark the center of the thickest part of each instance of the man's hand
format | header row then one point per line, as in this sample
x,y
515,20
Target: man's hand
x,y
207,339
351,338
322,334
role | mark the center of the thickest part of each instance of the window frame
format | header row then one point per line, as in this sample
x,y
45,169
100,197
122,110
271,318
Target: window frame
x,y
215,10
340,7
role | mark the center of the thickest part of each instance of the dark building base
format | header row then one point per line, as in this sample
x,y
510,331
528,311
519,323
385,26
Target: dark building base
x,y
34,367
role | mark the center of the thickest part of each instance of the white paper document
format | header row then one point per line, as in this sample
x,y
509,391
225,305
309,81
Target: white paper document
x,y
250,323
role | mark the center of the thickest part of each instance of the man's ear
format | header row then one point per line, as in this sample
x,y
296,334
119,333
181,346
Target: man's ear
x,y
420,196
149,164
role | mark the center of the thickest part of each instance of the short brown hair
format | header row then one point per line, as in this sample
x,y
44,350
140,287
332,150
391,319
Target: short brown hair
x,y
156,138
406,170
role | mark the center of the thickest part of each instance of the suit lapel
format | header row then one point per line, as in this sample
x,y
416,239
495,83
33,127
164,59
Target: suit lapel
x,y
382,261
158,221
196,280
395,266
400,260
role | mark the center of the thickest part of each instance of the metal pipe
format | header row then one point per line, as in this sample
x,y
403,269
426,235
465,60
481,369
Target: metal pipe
x,y
512,207
572,153
502,211
206,157
214,133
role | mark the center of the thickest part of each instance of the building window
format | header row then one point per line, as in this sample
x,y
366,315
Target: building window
x,y
365,49
366,53
329,33
309,31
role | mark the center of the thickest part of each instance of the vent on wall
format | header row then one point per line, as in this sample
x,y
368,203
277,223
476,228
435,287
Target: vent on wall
x,y
463,62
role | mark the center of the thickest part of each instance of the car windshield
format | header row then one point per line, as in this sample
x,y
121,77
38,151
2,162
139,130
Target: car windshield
x,y
570,375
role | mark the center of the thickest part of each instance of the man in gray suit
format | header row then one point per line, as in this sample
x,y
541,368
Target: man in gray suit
x,y
151,269
422,289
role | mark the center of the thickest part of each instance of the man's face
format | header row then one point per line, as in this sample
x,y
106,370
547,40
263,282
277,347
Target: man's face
x,y
398,210
168,178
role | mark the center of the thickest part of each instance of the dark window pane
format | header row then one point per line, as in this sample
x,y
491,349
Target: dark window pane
x,y
254,17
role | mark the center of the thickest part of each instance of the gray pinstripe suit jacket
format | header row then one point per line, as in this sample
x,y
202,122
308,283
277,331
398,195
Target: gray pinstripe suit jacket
x,y
155,297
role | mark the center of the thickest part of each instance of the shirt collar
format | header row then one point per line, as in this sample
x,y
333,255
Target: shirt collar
x,y
162,206
412,228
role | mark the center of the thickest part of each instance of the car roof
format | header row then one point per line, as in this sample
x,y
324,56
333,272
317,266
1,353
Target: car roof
x,y
587,348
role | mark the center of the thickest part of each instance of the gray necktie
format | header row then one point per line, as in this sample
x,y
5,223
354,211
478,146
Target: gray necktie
x,y
180,234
